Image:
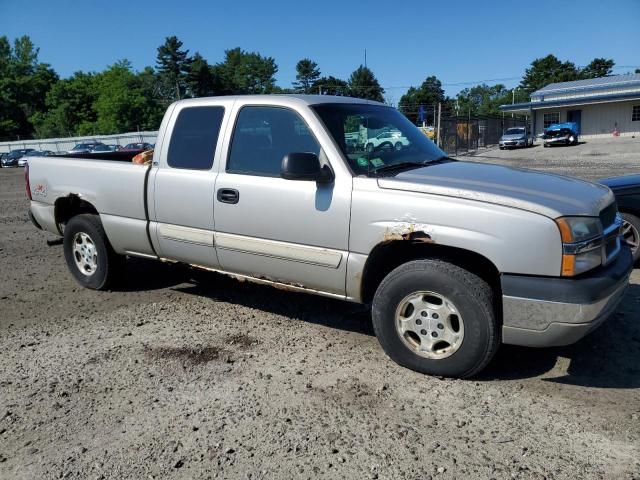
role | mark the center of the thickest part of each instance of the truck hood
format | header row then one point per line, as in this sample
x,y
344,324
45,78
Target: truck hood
x,y
544,193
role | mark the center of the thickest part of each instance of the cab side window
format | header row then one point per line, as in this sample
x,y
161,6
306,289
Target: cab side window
x,y
194,138
263,136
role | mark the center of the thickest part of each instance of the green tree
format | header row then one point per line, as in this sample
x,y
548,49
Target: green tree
x,y
598,67
246,73
69,107
154,107
201,79
24,83
428,94
121,103
330,86
484,100
364,84
546,70
307,72
173,66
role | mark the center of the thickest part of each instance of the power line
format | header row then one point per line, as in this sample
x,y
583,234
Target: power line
x,y
457,84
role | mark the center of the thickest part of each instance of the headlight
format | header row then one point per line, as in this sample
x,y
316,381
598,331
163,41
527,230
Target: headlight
x,y
581,244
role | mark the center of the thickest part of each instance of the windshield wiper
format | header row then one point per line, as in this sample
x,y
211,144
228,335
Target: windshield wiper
x,y
399,166
409,165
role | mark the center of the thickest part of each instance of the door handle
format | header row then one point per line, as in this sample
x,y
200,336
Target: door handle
x,y
228,195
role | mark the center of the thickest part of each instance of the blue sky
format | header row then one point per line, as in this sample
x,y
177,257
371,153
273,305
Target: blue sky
x,y
458,41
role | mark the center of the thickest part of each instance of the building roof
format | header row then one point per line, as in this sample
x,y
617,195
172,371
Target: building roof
x,y
568,102
614,81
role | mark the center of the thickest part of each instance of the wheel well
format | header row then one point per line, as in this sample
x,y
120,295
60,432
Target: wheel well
x,y
70,206
387,256
630,211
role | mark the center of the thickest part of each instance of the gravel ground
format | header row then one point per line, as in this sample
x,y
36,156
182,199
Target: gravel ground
x,y
186,374
592,159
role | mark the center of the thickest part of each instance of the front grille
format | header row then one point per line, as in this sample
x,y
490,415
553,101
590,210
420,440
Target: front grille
x,y
610,247
608,215
611,228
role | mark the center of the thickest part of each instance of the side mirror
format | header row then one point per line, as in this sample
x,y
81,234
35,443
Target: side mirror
x,y
305,166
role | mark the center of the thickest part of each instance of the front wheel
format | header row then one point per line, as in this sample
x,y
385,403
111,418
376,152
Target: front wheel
x,y
398,146
436,318
631,233
369,147
89,255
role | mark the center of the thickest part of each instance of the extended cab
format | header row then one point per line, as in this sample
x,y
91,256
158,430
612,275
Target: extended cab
x,y
454,257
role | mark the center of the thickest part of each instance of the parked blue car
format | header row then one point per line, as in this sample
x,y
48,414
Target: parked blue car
x,y
561,134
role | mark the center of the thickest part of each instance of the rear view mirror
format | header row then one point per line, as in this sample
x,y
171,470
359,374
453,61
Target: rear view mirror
x,y
305,166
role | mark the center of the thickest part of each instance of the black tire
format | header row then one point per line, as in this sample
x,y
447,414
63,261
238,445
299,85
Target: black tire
x,y
473,298
501,148
631,232
110,265
369,147
399,146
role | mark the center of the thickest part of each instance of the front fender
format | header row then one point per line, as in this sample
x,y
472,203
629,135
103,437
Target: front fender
x,y
515,241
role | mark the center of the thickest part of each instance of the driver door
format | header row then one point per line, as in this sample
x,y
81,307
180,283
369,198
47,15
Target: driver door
x,y
289,231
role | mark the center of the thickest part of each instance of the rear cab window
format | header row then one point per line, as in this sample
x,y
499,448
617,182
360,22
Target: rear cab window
x,y
194,138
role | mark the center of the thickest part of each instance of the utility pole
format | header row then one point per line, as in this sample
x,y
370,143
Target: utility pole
x,y
365,58
438,131
513,98
469,130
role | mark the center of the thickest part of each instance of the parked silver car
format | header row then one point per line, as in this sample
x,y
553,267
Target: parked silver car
x,y
266,189
515,137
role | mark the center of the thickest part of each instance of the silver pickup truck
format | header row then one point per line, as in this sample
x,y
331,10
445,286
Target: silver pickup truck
x,y
453,257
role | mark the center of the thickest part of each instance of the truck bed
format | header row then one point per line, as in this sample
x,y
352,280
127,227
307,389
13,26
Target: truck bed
x,y
117,189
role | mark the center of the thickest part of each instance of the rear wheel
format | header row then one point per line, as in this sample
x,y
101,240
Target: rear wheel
x,y
434,317
631,233
89,255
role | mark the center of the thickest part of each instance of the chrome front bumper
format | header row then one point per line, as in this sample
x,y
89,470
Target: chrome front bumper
x,y
512,143
546,312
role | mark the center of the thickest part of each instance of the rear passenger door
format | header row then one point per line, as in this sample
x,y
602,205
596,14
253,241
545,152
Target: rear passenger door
x,y
283,230
182,190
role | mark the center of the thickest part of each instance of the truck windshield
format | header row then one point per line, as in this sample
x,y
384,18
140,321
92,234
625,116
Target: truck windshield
x,y
375,138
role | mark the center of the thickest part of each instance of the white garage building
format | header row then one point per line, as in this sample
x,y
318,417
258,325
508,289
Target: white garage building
x,y
601,106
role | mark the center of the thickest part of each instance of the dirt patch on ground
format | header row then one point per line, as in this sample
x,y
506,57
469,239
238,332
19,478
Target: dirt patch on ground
x,y
193,355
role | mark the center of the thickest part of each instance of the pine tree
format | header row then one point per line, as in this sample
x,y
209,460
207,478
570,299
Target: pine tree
x,y
363,84
307,73
173,66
